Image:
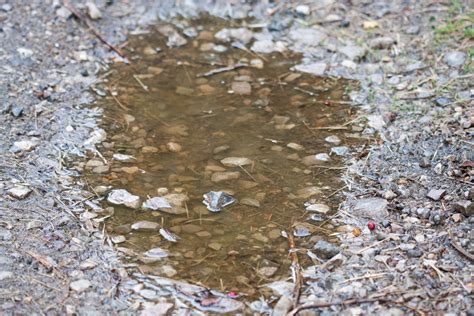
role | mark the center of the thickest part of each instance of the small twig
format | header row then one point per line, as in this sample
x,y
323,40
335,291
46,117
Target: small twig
x,y
331,168
373,245
295,268
349,302
144,86
120,104
331,128
337,191
369,276
248,173
459,248
221,70
86,21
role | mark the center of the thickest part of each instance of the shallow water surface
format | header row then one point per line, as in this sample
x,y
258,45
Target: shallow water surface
x,y
180,124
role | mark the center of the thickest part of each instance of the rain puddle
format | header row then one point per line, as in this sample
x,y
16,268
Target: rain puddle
x,y
180,126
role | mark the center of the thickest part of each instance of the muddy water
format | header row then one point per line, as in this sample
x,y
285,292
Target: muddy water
x,y
179,124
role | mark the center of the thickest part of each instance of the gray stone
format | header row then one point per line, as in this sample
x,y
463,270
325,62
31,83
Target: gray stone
x,y
333,139
5,275
464,207
156,203
326,250
454,58
317,69
370,208
283,306
236,161
307,36
322,157
148,294
123,197
389,195
436,194
80,285
156,253
264,46
318,208
19,192
340,150
93,11
353,52
25,145
224,176
145,225
381,42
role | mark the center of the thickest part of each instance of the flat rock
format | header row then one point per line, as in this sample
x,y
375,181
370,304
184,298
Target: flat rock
x,y
236,161
215,246
145,225
317,69
177,202
159,309
224,176
381,42
340,150
156,203
25,145
464,207
148,294
241,87
315,159
322,157
436,194
353,52
118,239
156,253
80,285
295,146
318,208
283,306
454,58
333,139
123,158
241,34
326,250
307,36
267,271
19,192
307,192
372,208
250,202
5,275
123,197
303,229
93,11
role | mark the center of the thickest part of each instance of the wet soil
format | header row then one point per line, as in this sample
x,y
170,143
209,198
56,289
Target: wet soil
x,y
179,123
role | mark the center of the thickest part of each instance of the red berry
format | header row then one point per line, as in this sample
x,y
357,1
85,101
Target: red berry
x,y
327,103
371,225
233,294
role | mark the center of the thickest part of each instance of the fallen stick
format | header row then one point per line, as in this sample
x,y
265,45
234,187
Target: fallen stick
x,y
459,248
295,268
86,21
349,302
220,70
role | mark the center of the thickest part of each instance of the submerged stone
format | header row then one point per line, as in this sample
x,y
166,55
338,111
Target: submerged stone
x,y
123,197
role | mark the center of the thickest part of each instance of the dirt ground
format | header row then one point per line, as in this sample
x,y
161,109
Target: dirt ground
x,y
412,178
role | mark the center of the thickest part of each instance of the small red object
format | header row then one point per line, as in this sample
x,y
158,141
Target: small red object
x,y
327,103
371,225
233,294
